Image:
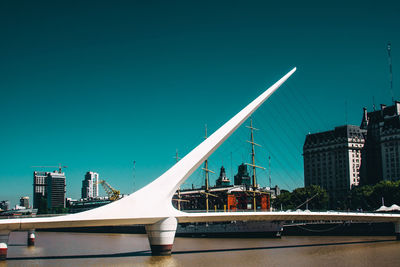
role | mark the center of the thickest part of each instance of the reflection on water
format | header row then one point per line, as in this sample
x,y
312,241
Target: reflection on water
x,y
162,261
81,249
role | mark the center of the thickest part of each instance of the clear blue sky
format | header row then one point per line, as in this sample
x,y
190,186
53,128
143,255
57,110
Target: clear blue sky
x,y
95,85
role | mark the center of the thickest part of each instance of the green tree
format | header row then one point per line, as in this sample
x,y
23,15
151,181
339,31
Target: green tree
x,y
59,210
317,196
369,197
283,201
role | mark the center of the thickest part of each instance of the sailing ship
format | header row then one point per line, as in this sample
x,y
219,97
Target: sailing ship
x,y
244,195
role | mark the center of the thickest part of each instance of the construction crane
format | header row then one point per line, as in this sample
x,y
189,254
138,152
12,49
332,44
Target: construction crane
x,y
112,193
60,167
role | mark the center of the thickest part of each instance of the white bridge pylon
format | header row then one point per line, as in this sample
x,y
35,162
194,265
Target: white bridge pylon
x,y
152,205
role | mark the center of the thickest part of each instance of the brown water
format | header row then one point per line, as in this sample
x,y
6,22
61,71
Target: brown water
x,y
81,249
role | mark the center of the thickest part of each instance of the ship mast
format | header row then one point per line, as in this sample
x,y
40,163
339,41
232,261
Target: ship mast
x,y
179,188
206,171
253,164
269,172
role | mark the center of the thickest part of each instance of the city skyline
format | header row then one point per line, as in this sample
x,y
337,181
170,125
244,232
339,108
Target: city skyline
x,y
96,87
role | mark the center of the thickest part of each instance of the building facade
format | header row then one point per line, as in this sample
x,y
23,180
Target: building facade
x,y
222,180
56,190
382,147
243,176
333,160
39,190
4,205
90,185
48,190
24,202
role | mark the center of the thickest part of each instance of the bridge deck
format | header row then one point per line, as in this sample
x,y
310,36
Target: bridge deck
x,y
182,217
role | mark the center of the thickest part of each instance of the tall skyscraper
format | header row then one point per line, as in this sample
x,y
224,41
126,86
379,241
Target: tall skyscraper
x,y
39,190
55,190
333,160
48,190
90,185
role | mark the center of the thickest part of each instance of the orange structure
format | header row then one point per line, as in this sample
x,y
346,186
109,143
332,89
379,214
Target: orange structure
x,y
265,203
232,202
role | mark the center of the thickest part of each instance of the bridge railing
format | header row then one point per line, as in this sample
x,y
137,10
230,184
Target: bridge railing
x,y
283,211
29,216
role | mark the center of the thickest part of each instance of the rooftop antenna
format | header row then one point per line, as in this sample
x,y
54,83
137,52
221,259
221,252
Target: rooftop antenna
x,y
345,110
389,48
373,103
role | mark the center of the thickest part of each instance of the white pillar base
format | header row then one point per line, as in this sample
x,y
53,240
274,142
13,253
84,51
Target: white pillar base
x,y
31,238
3,244
161,236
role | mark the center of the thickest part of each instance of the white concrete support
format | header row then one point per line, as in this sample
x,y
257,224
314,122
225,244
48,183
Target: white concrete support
x,y
397,229
31,238
4,234
161,236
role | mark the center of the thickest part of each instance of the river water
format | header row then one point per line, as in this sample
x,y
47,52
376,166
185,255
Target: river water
x,y
88,249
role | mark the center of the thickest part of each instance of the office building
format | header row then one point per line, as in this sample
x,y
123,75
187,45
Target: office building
x,y
48,190
39,190
222,180
90,185
4,205
242,177
382,144
55,190
333,160
24,202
